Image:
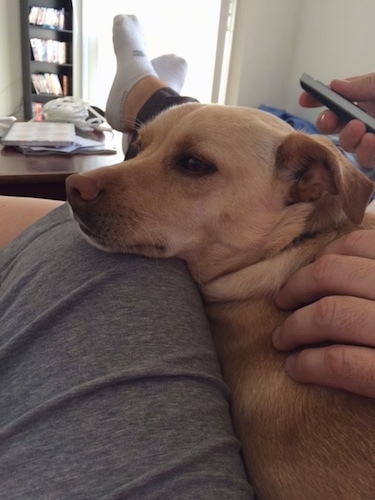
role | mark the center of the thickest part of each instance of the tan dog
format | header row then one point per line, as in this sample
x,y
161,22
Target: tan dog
x,y
246,201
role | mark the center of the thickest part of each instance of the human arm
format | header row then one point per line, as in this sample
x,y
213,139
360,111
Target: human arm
x,y
353,136
18,213
336,296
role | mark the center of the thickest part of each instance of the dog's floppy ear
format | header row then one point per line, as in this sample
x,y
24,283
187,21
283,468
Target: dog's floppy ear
x,y
314,167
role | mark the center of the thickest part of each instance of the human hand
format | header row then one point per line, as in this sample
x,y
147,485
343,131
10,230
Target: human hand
x,y
353,136
339,290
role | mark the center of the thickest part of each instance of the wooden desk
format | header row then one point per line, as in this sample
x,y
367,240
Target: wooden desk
x,y
44,176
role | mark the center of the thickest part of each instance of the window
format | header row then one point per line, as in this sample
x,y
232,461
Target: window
x,y
200,31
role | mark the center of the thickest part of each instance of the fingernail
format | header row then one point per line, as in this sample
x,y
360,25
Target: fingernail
x,y
323,117
323,122
328,122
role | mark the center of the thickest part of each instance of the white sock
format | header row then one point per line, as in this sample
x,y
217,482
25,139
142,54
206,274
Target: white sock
x,y
132,65
172,70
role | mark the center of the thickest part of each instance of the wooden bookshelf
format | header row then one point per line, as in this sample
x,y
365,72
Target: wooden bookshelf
x,y
47,52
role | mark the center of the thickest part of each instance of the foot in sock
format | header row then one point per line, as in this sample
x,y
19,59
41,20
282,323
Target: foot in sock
x,y
172,70
133,66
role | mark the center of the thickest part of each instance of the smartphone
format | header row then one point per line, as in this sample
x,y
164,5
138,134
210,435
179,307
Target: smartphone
x,y
344,109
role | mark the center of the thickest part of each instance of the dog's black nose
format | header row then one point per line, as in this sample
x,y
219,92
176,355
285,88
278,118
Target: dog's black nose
x,y
80,188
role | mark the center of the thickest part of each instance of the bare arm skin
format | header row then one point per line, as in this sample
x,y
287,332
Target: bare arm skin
x,y
18,213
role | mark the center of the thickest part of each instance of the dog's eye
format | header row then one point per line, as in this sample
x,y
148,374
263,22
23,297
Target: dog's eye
x,y
194,166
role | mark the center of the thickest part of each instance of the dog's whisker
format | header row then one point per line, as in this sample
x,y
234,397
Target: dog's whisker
x,y
138,123
132,123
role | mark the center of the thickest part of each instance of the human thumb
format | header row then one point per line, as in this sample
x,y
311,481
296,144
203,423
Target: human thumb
x,y
361,88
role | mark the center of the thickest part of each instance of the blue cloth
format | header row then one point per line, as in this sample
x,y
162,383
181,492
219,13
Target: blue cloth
x,y
296,122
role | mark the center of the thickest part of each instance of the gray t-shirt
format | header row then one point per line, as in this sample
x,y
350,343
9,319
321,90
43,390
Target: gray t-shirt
x,y
109,382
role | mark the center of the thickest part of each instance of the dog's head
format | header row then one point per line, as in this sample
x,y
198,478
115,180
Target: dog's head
x,y
219,187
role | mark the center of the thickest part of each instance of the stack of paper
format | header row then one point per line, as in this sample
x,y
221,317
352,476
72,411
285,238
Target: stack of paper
x,y
38,138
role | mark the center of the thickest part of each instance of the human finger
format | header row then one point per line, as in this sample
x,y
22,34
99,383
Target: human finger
x,y
329,123
335,319
351,368
360,88
359,243
351,135
365,151
355,88
329,275
308,101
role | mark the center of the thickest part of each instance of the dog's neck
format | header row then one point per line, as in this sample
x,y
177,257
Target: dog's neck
x,y
266,276
263,272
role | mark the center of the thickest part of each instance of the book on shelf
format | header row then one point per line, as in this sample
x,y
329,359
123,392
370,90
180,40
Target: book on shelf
x,y
50,51
49,83
48,17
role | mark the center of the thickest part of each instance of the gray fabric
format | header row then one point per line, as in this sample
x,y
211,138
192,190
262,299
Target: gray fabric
x,y
109,384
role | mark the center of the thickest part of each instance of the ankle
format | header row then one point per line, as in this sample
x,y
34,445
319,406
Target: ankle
x,y
137,96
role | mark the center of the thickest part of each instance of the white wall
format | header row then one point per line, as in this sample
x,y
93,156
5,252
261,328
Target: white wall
x,y
10,57
265,34
336,39
277,40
